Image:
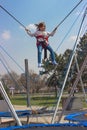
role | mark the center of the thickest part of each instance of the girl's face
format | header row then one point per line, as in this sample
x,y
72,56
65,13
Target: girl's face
x,y
42,28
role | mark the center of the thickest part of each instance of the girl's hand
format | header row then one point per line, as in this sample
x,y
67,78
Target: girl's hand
x,y
26,29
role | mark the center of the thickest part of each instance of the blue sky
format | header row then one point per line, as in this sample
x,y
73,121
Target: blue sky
x,y
19,45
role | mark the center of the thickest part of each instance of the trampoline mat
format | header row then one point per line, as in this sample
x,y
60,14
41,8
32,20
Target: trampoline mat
x,y
20,113
81,118
77,117
54,128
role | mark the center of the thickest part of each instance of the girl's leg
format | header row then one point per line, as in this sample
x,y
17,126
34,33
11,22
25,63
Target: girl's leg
x,y
45,53
39,48
52,54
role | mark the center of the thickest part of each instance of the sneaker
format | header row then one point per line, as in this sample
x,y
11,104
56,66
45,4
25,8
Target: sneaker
x,y
54,63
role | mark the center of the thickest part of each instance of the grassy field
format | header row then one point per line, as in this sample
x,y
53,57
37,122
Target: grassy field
x,y
40,100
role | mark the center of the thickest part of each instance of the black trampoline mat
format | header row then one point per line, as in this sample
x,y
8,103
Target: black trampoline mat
x,y
54,128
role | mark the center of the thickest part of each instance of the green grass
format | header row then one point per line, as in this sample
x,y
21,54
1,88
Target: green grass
x,y
18,100
34,100
38,100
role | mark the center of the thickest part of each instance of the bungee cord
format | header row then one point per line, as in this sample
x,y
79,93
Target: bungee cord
x,y
55,27
67,34
70,28
15,82
68,14
53,30
25,27
11,58
12,16
9,70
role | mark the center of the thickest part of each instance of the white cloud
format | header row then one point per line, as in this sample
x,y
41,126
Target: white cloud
x,y
6,35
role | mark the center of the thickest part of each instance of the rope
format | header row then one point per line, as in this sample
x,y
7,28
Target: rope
x,y
13,17
6,66
68,14
17,86
67,34
56,26
12,58
70,28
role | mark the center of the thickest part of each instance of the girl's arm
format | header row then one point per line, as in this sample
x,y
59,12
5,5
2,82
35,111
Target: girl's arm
x,y
29,32
53,32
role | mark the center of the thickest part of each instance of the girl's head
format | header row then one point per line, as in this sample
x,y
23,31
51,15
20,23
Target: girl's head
x,y
41,26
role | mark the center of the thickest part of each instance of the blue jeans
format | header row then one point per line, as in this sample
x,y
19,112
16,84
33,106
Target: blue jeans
x,y
48,47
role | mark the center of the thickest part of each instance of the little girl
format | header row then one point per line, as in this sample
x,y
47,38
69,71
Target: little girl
x,y
42,41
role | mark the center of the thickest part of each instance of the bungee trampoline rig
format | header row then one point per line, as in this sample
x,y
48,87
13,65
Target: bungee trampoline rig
x,y
79,124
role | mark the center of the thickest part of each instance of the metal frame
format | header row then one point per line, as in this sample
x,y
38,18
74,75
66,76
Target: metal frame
x,y
10,106
69,66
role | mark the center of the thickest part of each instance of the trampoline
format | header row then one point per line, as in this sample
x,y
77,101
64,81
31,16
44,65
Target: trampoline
x,y
20,113
24,113
66,126
80,117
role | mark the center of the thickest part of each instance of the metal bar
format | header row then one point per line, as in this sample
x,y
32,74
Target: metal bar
x,y
27,82
85,96
6,98
72,56
73,87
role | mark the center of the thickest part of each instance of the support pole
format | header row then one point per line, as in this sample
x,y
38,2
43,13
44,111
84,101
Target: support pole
x,y
7,100
27,82
69,66
82,85
79,74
